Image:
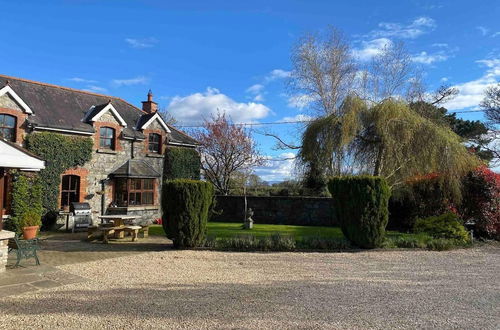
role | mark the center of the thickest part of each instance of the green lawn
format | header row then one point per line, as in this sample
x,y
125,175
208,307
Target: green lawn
x,y
225,229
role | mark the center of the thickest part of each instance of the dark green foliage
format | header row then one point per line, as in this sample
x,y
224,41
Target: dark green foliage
x,y
361,208
420,198
275,242
60,152
26,199
186,206
447,226
323,243
181,163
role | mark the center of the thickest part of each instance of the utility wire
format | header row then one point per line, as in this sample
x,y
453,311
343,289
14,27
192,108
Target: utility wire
x,y
300,121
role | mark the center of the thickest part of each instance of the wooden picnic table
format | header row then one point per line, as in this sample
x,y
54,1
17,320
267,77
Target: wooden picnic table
x,y
118,220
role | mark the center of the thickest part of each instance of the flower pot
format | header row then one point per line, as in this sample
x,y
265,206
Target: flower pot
x,y
30,232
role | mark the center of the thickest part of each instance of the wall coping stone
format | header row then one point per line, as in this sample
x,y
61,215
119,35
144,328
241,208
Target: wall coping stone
x,y
6,234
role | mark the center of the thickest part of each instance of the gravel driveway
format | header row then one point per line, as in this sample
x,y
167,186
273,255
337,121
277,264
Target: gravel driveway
x,y
202,289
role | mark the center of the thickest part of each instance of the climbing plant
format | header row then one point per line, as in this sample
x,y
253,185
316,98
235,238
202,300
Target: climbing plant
x,y
181,163
60,152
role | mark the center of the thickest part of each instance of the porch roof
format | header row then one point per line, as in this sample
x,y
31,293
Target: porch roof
x,y
14,156
135,168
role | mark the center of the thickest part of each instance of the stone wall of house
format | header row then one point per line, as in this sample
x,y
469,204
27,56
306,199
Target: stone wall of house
x,y
307,211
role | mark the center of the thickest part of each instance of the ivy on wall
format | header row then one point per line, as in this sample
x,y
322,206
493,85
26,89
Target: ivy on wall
x,y
181,163
27,195
60,152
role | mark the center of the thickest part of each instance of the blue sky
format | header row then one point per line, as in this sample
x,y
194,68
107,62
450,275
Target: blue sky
x,y
198,56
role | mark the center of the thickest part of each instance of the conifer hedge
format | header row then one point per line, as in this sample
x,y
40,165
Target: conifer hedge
x,y
361,208
186,206
181,163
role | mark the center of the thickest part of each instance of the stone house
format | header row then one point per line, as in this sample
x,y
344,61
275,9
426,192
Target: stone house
x,y
124,174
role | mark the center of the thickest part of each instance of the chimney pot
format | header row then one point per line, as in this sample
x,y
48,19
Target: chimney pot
x,y
150,106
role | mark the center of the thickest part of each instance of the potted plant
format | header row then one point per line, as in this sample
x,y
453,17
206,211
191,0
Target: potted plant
x,y
30,223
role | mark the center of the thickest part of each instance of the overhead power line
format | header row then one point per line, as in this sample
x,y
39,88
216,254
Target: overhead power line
x,y
298,121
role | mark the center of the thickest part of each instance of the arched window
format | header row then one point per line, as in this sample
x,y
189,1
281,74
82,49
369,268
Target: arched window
x,y
154,143
70,190
107,138
8,127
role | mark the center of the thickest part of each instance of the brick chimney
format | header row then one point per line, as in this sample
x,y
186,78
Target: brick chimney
x,y
149,106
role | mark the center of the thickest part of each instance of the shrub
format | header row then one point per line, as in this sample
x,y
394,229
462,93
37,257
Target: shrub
x,y
446,226
275,242
419,197
323,243
181,163
186,205
30,218
361,208
26,198
481,202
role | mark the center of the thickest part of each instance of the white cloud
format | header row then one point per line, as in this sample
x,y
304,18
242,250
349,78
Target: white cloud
x,y
496,34
257,92
426,58
82,80
484,31
471,93
444,79
300,101
141,43
277,74
95,89
416,28
140,80
255,89
440,45
371,48
278,168
299,117
198,106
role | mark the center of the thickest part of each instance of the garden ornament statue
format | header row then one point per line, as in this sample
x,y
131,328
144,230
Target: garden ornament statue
x,y
248,221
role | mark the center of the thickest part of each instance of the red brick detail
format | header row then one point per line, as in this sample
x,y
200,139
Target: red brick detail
x,y
163,140
20,123
118,134
82,173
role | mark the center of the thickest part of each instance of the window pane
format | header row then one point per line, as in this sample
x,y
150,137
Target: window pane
x,y
136,184
65,182
147,198
64,199
148,184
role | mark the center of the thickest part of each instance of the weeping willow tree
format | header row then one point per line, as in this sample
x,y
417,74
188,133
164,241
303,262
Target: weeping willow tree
x,y
387,139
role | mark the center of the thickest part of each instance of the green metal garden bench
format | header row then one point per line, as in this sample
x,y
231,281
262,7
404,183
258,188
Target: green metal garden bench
x,y
25,249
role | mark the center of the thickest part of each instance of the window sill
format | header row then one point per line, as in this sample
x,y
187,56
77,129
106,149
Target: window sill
x,y
106,151
154,155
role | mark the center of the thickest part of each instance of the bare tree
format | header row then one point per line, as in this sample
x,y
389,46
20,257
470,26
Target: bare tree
x,y
167,116
323,70
225,149
491,106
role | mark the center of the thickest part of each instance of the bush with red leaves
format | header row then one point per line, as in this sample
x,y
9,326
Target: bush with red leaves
x,y
481,202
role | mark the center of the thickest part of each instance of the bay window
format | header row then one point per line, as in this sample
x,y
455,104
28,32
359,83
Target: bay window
x,y
132,191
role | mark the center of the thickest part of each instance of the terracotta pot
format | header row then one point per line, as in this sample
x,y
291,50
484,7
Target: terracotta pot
x,y
30,232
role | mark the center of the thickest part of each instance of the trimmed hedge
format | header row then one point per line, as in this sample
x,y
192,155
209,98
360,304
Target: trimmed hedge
x,y
446,226
181,163
186,206
361,208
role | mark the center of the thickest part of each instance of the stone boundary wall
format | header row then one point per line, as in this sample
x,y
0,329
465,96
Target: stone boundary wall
x,y
286,210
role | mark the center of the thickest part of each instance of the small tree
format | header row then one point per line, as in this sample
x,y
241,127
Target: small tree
x,y
361,208
225,149
186,206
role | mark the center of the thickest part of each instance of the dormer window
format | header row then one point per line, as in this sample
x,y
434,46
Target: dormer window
x,y
154,143
8,127
107,138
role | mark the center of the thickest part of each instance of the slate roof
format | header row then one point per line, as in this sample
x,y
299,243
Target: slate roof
x,y
135,168
64,108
